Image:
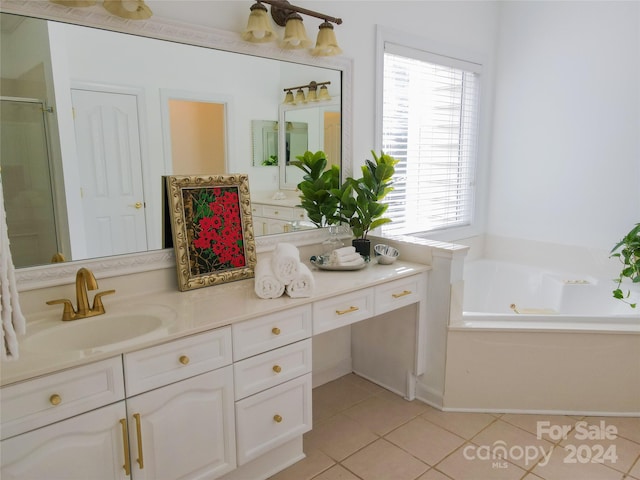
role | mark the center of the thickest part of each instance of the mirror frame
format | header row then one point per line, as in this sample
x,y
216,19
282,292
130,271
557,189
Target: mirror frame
x,y
32,278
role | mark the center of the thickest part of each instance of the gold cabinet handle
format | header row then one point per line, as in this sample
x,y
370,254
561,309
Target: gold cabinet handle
x,y
125,445
277,368
275,331
55,399
402,294
276,212
184,360
140,459
277,418
349,310
137,205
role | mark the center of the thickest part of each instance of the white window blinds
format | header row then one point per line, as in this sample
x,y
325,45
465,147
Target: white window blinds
x,y
430,126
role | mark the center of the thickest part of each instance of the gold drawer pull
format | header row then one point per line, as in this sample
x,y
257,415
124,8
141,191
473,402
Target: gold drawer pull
x,y
139,434
277,368
349,310
275,331
125,445
184,360
398,295
277,418
55,399
276,212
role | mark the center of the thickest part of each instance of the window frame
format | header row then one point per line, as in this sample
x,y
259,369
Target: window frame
x,y
440,49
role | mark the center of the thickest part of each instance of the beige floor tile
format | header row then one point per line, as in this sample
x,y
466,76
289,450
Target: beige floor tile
x,y
628,427
433,474
363,383
558,468
337,472
519,446
425,440
635,471
540,425
466,425
384,461
315,462
463,465
336,396
338,437
625,451
381,415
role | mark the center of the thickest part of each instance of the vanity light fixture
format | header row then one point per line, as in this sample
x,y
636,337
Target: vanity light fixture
x,y
295,36
312,95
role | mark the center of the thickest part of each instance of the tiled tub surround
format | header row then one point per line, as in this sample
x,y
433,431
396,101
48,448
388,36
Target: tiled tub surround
x,y
247,359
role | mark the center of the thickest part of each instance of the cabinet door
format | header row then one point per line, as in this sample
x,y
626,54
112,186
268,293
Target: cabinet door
x,y
185,430
87,446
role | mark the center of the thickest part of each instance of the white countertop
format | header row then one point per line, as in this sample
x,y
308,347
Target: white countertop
x,y
188,313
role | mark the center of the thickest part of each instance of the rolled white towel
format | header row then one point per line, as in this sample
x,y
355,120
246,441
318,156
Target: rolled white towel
x,y
346,259
285,262
303,284
266,283
342,252
351,263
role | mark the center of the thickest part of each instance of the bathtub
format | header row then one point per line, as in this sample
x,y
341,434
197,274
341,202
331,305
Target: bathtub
x,y
533,340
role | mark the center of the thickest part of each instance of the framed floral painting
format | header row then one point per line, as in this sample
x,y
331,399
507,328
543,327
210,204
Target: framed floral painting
x,y
212,229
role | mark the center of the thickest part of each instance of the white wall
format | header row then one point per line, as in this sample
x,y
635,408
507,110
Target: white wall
x,y
566,148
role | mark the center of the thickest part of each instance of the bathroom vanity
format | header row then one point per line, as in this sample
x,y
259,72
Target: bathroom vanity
x,y
281,215
219,388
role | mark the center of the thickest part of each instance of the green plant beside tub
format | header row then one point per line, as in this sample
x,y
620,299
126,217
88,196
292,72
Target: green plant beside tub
x,y
628,251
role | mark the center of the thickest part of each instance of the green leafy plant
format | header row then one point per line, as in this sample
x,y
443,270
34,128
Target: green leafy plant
x,y
272,160
360,200
318,182
627,251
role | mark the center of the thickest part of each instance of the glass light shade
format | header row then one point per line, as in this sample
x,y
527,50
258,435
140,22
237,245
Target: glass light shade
x,y
300,96
259,26
324,93
326,43
312,96
129,9
288,98
295,36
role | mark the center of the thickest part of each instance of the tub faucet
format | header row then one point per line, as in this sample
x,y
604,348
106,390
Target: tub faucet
x,y
85,281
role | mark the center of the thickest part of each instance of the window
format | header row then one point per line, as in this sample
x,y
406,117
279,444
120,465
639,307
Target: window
x,y
429,124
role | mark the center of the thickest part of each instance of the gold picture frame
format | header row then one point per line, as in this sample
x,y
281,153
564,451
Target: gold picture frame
x,y
212,229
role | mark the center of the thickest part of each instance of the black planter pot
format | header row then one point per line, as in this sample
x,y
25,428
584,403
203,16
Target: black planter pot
x,y
363,247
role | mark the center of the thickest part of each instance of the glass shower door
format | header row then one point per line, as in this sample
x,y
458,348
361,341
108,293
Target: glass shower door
x,y
26,182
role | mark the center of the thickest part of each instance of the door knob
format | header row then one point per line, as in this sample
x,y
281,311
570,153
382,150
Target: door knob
x,y
137,205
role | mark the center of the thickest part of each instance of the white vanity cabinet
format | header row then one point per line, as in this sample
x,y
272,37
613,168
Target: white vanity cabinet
x,y
185,429
270,219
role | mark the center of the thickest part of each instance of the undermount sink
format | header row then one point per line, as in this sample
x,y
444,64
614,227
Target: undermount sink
x,y
96,332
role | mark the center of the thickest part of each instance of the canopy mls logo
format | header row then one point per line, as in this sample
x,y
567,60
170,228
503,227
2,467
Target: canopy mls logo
x,y
500,453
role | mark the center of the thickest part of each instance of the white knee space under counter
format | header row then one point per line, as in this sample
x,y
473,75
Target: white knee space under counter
x,y
231,370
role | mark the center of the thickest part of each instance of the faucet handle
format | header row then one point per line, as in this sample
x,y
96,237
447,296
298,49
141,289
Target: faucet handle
x,y
67,313
98,307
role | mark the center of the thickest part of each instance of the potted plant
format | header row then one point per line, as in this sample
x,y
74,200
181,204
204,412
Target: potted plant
x,y
360,200
628,251
316,198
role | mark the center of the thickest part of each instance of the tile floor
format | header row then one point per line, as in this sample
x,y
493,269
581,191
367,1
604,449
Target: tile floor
x,y
361,431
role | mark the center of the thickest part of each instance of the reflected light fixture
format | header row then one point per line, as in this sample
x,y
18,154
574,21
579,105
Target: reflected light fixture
x,y
295,36
259,26
129,9
324,93
312,95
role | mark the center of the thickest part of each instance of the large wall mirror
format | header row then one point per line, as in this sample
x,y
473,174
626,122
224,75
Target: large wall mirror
x,y
92,99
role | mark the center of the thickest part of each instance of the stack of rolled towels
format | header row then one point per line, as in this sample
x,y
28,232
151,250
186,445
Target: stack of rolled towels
x,y
345,257
282,272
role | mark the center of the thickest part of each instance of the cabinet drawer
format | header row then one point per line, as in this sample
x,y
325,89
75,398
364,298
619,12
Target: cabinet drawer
x,y
41,401
256,210
300,214
271,331
342,310
273,417
399,293
269,369
282,213
170,362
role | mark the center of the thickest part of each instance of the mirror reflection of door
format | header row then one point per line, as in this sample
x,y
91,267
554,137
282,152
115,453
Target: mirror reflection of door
x,y
197,137
110,166
332,135
26,182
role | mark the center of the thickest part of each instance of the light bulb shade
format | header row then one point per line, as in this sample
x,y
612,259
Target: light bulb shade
x,y
259,26
326,43
131,10
312,96
295,36
324,93
300,96
288,98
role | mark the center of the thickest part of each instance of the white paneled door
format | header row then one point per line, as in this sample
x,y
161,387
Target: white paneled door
x,y
110,168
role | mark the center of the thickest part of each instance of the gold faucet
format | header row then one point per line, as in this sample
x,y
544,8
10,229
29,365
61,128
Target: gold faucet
x,y
85,280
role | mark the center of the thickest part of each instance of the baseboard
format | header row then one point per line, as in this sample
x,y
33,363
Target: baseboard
x,y
270,463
